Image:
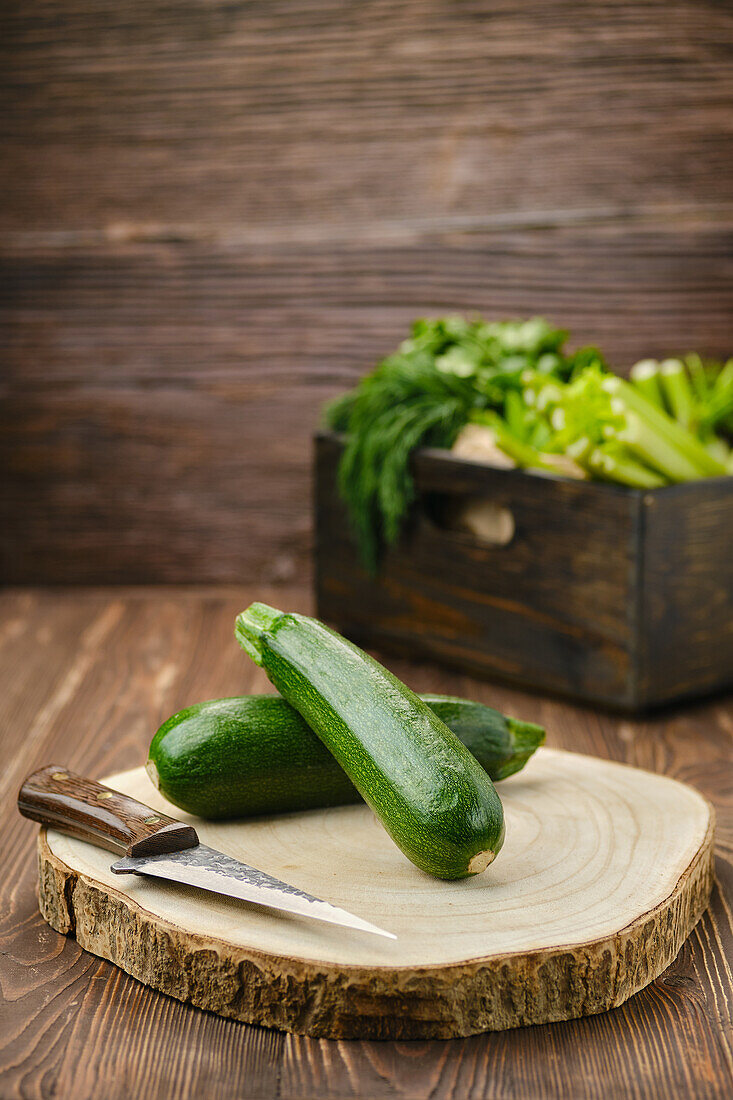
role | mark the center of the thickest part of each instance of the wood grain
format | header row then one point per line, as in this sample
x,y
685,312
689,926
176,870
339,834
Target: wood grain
x,y
686,608
216,217
584,909
81,807
90,674
260,117
603,593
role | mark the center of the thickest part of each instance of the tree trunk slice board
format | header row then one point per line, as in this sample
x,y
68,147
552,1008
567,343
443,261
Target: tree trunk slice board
x,y
605,871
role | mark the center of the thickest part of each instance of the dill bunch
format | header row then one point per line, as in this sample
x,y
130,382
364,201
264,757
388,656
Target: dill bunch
x,y
422,396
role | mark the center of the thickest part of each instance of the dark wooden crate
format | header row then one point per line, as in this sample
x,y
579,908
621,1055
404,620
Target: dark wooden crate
x,y
606,594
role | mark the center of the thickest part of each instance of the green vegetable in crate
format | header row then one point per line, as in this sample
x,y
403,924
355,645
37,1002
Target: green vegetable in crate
x,y
652,431
432,796
422,396
255,754
511,387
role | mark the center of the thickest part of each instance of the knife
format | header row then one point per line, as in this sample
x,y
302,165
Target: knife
x,y
153,844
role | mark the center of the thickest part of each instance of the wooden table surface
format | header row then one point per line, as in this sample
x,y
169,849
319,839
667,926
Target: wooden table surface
x,y
86,676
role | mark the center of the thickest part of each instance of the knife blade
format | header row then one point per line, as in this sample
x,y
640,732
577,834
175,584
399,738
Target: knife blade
x,y
221,874
156,845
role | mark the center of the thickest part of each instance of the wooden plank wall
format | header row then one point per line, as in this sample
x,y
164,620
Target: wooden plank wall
x,y
217,215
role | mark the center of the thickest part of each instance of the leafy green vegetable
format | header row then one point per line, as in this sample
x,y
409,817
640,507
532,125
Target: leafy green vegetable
x,y
697,394
615,430
422,396
713,385
547,409
638,411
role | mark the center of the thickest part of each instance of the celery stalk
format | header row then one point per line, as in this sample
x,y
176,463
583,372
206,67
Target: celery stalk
x,y
678,391
623,468
515,414
721,400
524,454
656,451
579,449
687,445
645,376
698,377
719,449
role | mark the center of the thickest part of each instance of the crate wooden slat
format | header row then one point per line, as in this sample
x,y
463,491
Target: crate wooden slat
x,y
606,594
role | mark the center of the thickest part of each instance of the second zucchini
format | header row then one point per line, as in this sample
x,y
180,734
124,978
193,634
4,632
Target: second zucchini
x,y
255,755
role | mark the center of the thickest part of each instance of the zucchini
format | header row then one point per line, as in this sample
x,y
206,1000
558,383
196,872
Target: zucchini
x,y
432,796
255,755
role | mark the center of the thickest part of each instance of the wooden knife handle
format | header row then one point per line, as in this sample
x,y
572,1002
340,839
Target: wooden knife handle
x,y
72,804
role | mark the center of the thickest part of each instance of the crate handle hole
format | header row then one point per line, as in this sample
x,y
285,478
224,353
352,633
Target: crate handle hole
x,y
485,521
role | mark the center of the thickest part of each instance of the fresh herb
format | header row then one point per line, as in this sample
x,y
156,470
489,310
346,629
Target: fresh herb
x,y
544,407
422,396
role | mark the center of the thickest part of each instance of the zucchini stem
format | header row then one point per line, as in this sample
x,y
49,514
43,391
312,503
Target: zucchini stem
x,y
251,625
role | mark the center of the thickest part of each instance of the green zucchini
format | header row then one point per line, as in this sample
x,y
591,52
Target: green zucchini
x,y
255,754
432,796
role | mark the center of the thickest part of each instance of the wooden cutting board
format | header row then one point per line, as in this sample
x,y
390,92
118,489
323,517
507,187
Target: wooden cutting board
x,y
604,872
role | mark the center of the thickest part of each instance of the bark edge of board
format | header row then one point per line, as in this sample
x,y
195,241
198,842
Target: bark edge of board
x,y
324,1000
